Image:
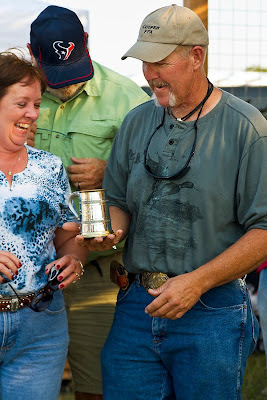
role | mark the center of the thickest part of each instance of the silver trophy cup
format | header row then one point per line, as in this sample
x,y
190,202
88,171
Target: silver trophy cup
x,y
94,214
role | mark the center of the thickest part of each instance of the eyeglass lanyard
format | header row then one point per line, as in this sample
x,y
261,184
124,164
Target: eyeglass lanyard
x,y
179,174
200,105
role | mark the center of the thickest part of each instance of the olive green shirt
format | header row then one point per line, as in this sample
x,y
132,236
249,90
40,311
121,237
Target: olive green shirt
x,y
85,126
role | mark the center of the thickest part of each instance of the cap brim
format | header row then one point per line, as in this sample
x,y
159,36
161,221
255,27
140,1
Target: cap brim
x,y
149,51
58,76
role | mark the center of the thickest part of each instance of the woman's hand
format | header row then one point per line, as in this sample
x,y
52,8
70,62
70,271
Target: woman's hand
x,y
71,270
9,266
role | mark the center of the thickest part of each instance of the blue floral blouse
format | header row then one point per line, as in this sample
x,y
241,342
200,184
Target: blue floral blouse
x,y
30,211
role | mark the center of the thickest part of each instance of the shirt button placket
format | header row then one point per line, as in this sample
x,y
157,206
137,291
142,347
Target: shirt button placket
x,y
58,127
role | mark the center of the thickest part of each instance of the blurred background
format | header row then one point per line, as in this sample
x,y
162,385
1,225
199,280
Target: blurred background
x,y
237,57
236,62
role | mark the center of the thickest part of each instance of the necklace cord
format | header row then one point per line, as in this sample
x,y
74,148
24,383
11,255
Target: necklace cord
x,y
186,167
11,171
200,105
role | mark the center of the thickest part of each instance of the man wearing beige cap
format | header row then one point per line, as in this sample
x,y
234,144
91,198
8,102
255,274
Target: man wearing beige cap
x,y
187,182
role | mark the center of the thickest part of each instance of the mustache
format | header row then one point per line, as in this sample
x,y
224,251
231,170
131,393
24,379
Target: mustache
x,y
157,83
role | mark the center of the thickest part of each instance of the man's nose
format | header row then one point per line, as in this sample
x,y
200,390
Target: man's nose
x,y
150,71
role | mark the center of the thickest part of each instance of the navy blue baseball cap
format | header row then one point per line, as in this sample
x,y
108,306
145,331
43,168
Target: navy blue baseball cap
x,y
59,44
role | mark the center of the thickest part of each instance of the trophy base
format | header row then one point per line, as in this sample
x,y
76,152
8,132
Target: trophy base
x,y
90,235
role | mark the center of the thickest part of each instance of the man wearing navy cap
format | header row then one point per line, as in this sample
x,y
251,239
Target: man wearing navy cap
x,y
81,111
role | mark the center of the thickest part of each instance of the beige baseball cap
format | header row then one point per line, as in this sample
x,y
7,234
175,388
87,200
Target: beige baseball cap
x,y
164,29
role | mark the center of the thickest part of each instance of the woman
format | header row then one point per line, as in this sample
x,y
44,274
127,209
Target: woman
x,y
34,193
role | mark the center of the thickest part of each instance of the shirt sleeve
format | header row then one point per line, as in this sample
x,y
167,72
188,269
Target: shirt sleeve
x,y
252,186
116,173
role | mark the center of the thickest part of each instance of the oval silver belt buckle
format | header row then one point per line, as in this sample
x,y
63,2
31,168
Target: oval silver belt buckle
x,y
153,280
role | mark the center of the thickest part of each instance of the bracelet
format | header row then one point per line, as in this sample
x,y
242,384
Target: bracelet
x,y
81,264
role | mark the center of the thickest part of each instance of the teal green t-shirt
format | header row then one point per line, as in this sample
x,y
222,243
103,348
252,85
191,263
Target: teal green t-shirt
x,y
178,225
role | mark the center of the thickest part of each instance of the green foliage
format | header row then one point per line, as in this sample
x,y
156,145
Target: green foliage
x,y
256,68
66,396
255,380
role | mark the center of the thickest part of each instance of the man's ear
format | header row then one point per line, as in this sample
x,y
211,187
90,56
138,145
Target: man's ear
x,y
86,38
30,51
199,56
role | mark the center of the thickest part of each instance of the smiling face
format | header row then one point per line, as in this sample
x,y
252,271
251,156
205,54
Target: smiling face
x,y
19,108
171,79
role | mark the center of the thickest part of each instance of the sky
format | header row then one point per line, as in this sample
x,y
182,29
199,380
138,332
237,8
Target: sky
x,y
234,26
113,27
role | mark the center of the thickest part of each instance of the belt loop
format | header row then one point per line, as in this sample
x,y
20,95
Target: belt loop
x,y
14,304
138,279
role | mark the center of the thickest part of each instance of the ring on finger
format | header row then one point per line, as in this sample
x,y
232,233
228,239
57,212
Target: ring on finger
x,y
78,275
81,265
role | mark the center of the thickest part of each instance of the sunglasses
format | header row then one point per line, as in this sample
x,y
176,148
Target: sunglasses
x,y
181,172
43,297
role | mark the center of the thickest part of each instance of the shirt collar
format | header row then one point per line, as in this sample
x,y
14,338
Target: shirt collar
x,y
91,87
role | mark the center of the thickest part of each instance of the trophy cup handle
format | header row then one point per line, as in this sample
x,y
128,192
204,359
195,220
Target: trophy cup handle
x,y
74,194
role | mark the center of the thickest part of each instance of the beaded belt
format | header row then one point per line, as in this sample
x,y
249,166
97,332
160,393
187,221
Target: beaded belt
x,y
12,303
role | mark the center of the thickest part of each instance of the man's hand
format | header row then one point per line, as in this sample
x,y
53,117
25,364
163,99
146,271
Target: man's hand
x,y
87,173
97,243
31,135
175,297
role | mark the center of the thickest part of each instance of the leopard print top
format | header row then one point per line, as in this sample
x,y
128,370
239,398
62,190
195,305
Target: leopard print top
x,y
30,211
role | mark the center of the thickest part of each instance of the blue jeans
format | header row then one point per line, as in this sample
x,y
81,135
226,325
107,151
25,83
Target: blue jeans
x,y
33,352
201,356
262,305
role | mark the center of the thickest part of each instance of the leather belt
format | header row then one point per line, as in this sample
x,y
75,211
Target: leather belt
x,y
150,280
12,303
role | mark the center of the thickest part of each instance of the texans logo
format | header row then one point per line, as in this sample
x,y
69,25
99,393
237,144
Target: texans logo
x,y
62,51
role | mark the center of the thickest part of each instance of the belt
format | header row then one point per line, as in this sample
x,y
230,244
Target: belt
x,y
150,280
13,303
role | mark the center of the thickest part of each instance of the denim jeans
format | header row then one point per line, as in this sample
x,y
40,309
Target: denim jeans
x,y
262,305
201,356
33,352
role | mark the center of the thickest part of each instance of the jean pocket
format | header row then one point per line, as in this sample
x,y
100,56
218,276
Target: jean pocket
x,y
57,305
254,322
229,296
123,294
